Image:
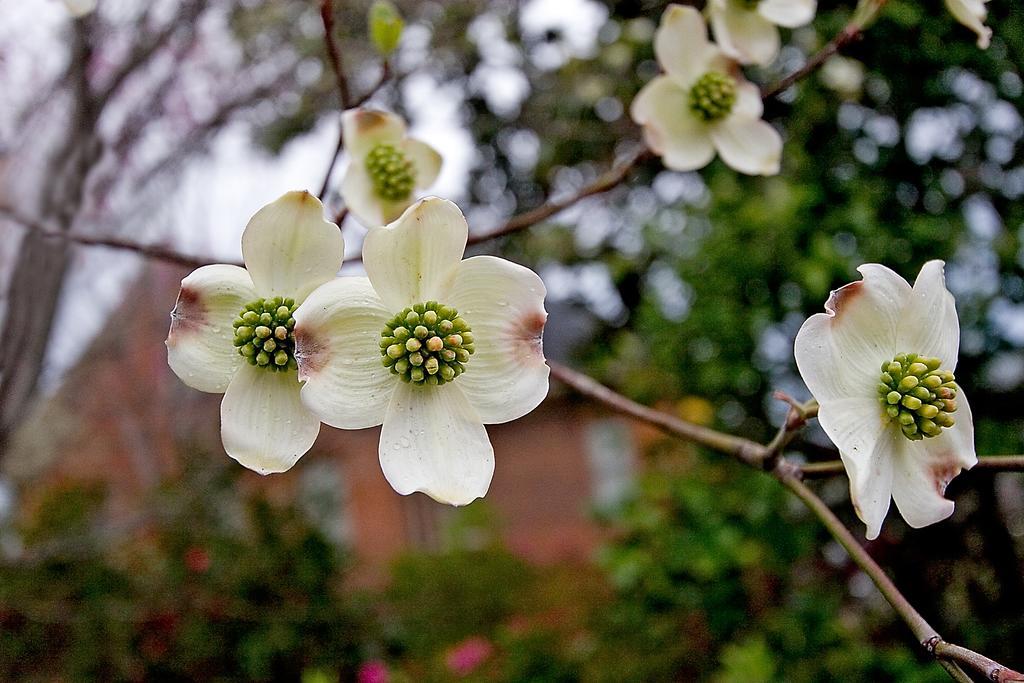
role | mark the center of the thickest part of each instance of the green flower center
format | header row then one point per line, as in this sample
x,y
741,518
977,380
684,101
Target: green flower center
x,y
265,333
712,97
427,344
918,395
748,4
391,172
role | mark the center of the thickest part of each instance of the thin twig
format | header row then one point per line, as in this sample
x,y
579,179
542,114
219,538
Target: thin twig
x,y
384,75
331,164
334,57
993,671
993,463
947,653
922,630
796,418
149,251
333,53
949,656
744,450
850,33
865,14
606,181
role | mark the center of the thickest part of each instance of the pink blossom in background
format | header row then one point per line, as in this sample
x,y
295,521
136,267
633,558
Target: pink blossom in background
x,y
197,559
373,671
464,658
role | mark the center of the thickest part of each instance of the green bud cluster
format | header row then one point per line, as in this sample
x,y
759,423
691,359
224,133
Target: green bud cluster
x,y
427,344
918,395
265,333
712,97
393,174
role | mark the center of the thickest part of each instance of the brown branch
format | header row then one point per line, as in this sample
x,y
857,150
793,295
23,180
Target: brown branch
x,y
149,251
799,414
756,455
384,75
925,634
344,95
991,670
744,450
606,181
341,82
332,163
852,32
994,463
333,54
149,44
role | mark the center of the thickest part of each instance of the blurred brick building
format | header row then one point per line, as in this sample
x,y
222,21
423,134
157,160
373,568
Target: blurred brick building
x,y
122,417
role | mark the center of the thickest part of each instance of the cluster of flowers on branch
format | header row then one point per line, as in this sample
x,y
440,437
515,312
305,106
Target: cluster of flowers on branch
x,y
433,347
429,345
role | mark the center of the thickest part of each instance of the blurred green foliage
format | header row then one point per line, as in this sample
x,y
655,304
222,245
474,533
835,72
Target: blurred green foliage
x,y
715,583
209,586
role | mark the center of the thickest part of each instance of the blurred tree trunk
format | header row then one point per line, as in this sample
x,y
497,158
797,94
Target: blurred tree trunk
x,y
41,263
91,160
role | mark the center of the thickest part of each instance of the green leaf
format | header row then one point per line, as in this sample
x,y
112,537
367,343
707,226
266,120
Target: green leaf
x,y
385,26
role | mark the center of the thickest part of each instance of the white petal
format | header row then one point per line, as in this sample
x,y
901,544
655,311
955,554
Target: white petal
x,y
929,325
924,468
433,441
744,34
681,45
359,198
871,490
503,303
788,13
362,129
670,130
864,439
747,145
263,424
840,353
290,249
199,347
749,104
363,203
972,14
410,259
337,335
426,160
858,429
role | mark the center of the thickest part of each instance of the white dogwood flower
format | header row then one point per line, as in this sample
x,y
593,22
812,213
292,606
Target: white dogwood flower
x,y
746,30
232,331
880,363
972,14
386,168
702,103
429,345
